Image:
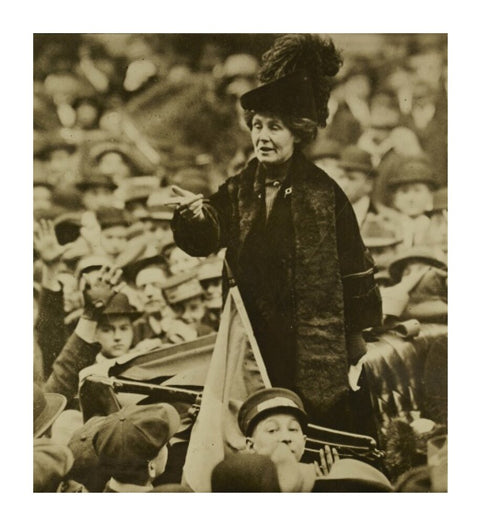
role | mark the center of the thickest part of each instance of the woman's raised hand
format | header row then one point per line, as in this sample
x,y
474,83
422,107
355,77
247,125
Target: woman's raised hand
x,y
188,204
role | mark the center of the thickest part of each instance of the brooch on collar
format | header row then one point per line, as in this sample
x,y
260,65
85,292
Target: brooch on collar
x,y
288,191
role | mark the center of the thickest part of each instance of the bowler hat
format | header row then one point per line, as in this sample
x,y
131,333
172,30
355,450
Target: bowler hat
x,y
353,158
96,180
268,401
291,94
410,171
120,305
415,254
47,406
134,435
181,287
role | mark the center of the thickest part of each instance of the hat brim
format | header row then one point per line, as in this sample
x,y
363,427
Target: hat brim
x,y
353,166
55,405
396,267
297,412
351,485
380,242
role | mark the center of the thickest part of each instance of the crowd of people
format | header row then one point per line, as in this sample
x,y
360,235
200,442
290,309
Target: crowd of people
x,y
133,134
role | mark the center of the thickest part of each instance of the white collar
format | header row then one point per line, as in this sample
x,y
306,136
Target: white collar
x,y
117,486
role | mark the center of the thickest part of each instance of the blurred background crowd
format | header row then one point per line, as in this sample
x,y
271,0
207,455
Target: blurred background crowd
x,y
119,118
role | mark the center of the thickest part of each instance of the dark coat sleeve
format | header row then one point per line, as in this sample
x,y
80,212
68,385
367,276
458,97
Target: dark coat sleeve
x,y
75,356
362,301
201,238
50,329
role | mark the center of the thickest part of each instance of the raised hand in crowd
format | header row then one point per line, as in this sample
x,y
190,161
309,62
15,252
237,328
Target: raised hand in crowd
x,y
100,289
46,244
188,204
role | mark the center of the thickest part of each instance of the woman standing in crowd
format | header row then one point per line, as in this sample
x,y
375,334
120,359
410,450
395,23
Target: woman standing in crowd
x,y
293,243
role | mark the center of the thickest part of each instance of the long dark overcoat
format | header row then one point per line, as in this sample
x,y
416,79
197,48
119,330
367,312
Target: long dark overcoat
x,y
304,274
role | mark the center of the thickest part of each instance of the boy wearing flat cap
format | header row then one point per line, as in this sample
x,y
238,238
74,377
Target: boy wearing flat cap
x,y
131,445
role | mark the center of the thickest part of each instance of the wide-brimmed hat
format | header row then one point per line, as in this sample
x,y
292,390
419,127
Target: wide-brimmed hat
x,y
182,287
47,406
410,171
268,401
353,158
377,232
415,254
120,305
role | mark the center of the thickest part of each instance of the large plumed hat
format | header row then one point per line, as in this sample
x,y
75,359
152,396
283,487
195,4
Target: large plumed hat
x,y
296,75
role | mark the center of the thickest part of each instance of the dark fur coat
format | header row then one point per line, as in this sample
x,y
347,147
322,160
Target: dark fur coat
x,y
314,289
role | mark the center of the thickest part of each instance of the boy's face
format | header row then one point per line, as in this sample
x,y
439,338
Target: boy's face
x,y
115,334
191,311
114,240
412,199
275,429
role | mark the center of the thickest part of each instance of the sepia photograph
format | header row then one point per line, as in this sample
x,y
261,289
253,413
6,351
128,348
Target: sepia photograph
x,y
240,262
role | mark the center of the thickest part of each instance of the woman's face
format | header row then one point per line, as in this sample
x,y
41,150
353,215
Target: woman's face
x,y
272,140
275,429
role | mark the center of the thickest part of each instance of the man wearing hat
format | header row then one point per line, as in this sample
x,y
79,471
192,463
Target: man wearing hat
x,y
97,191
113,231
325,154
420,289
210,277
356,177
410,189
157,221
81,348
184,294
158,324
131,445
292,239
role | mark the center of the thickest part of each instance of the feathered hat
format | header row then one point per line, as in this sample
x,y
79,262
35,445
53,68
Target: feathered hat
x,y
296,76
